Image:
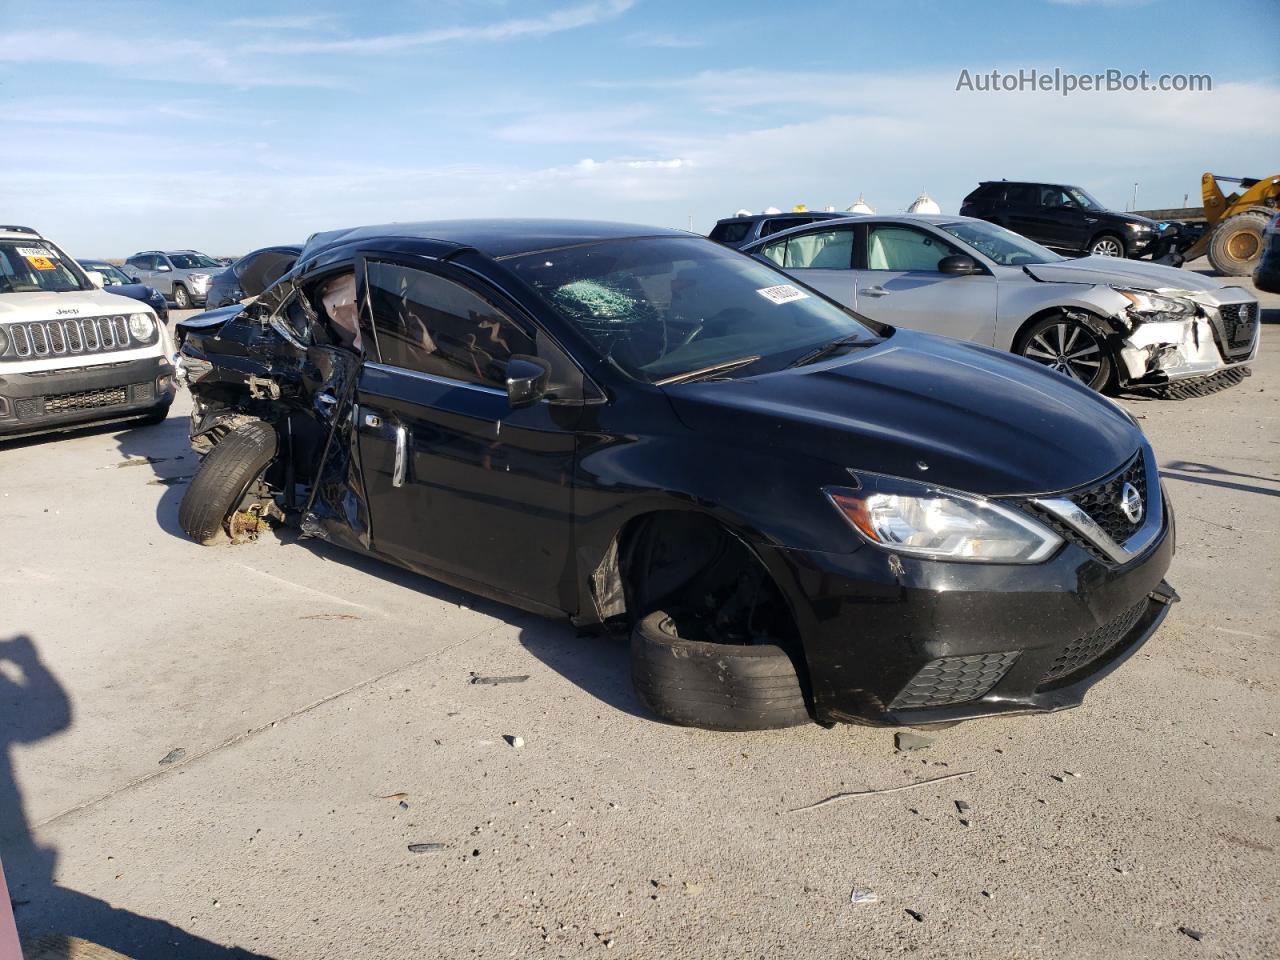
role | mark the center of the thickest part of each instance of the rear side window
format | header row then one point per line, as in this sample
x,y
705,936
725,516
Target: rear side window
x,y
428,324
901,248
731,232
986,193
825,250
1023,195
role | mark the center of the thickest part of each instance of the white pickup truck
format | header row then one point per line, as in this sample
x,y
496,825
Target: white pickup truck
x,y
70,352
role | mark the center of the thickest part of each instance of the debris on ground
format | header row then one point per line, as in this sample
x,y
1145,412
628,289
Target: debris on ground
x,y
395,796
173,756
906,741
693,889
849,795
425,847
863,895
915,915
514,741
962,807
475,678
143,461
170,481
1195,935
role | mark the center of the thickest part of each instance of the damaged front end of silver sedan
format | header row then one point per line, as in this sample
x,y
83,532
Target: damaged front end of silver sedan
x,y
1183,343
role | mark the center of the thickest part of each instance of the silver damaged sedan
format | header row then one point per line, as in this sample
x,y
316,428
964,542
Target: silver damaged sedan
x,y
1105,322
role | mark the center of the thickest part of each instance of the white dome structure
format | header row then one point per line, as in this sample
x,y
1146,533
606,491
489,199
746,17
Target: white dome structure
x,y
924,204
828,209
743,213
770,210
860,207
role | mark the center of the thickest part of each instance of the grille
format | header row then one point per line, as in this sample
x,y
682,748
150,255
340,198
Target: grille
x,y
953,680
29,408
1084,650
1102,501
46,338
1239,325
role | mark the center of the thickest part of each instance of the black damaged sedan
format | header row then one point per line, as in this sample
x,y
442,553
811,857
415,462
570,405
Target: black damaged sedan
x,y
795,512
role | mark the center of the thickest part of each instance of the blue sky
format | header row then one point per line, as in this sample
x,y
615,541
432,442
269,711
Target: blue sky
x,y
226,126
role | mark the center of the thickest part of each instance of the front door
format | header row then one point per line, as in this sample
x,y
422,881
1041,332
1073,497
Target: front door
x,y
457,479
899,283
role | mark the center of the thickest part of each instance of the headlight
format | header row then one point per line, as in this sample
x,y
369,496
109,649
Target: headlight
x,y
1138,226
909,517
1144,301
198,277
4,342
142,326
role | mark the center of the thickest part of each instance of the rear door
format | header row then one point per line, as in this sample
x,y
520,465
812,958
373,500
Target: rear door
x,y
821,258
458,480
898,282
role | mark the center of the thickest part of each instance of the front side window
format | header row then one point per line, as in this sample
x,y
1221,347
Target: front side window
x,y
664,308
825,250
34,266
904,249
428,324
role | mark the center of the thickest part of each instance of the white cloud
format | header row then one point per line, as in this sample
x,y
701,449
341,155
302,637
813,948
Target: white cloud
x,y
566,18
667,41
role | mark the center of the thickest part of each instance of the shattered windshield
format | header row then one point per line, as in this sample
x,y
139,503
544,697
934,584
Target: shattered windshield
x,y
996,243
663,308
34,266
188,261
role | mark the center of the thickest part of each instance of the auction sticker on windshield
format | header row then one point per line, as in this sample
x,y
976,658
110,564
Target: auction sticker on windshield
x,y
782,293
38,257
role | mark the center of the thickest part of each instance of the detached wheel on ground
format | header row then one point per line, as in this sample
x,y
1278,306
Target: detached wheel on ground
x,y
224,477
1107,245
1070,347
181,299
718,686
1236,243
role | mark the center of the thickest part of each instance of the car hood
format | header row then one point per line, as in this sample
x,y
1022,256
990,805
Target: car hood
x,y
1130,273
979,420
45,305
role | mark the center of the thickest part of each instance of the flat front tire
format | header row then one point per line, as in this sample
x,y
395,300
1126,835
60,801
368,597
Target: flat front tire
x,y
224,477
717,686
1070,347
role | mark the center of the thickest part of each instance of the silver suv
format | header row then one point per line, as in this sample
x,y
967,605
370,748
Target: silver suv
x,y
183,276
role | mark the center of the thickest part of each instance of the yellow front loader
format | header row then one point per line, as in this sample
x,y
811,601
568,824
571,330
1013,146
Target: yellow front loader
x,y
1233,240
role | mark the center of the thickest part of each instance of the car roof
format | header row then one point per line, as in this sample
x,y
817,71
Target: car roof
x,y
496,238
811,214
934,219
15,232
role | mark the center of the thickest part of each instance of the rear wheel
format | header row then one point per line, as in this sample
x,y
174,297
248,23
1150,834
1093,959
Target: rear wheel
x,y
181,299
1236,243
1107,245
227,472
1070,347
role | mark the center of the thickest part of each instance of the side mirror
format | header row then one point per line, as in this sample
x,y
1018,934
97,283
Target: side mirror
x,y
163,268
959,265
526,380
96,278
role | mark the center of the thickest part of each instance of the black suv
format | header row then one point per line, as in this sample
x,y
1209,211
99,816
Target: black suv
x,y
737,232
1067,218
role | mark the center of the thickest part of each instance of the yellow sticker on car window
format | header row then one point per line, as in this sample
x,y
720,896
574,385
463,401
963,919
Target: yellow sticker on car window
x,y
41,263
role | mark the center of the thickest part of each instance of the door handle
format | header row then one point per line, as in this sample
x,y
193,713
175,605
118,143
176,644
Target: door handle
x,y
326,398
874,292
402,456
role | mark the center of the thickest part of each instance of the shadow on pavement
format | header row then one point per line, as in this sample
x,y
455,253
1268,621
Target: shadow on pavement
x,y
1203,473
33,706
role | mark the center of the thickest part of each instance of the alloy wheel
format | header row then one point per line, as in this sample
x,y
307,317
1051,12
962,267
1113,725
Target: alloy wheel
x,y
1107,247
1069,348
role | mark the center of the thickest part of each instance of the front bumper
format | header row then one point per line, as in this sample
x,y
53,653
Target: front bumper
x,y
32,403
1161,352
938,642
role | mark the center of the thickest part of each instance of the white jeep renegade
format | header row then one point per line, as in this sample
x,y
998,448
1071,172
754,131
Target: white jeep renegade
x,y
70,352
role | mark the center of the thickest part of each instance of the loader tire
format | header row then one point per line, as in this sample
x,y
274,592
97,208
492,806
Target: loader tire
x,y
1237,242
225,475
717,686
